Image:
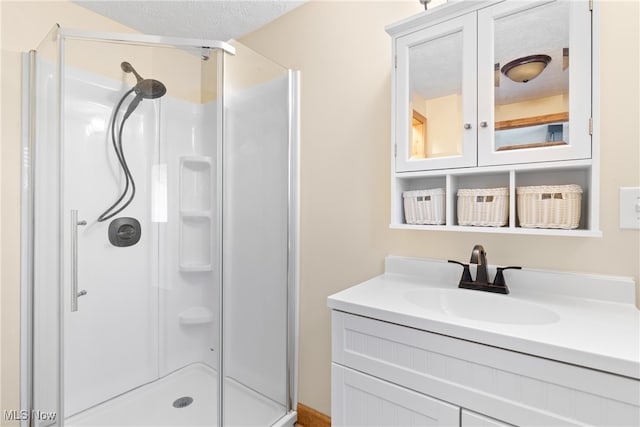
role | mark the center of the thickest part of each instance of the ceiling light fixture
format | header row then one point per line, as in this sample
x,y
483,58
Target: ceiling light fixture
x,y
527,68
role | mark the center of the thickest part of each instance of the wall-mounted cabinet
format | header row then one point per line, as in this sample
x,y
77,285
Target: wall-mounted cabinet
x,y
504,90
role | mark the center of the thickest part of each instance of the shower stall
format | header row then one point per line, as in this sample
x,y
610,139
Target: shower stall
x,y
159,244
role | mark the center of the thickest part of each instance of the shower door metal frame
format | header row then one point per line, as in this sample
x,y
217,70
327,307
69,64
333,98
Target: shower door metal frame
x,y
293,242
145,39
27,233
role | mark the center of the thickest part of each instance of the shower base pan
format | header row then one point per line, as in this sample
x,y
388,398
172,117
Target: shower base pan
x,y
187,397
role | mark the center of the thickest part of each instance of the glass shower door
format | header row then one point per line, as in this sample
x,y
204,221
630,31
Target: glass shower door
x,y
111,303
43,264
127,285
173,306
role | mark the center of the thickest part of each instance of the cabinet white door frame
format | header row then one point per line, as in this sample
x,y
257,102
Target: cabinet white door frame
x,y
467,26
580,73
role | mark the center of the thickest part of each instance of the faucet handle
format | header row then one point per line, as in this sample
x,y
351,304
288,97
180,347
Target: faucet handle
x,y
499,279
466,274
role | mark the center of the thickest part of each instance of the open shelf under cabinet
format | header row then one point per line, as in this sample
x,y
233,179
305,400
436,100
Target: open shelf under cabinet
x,y
578,172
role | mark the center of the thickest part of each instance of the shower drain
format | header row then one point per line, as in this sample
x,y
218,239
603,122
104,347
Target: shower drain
x,y
183,402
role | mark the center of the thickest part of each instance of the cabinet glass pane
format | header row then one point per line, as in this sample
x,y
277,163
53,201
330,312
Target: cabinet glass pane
x,y
531,78
435,103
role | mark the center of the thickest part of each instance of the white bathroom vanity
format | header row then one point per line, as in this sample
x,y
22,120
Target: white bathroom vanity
x,y
409,348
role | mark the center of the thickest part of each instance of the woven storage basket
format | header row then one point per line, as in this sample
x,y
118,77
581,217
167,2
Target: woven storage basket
x,y
483,206
549,206
424,206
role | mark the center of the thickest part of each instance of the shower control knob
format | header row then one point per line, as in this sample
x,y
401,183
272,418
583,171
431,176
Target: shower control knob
x,y
124,232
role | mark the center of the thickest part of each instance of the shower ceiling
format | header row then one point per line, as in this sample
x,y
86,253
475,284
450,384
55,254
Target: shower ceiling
x,y
201,19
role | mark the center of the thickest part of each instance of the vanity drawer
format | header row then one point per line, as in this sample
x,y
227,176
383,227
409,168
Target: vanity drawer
x,y
362,400
517,388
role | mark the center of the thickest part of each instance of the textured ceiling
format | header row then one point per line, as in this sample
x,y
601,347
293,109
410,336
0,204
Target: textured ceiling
x,y
201,19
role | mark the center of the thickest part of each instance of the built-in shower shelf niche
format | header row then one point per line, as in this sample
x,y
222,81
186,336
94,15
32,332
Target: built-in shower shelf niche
x,y
196,183
196,316
196,193
196,253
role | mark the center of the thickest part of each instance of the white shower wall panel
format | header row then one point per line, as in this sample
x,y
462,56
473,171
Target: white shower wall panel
x,y
255,228
188,131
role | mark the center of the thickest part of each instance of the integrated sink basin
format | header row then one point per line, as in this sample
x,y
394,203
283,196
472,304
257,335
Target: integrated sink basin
x,y
585,320
482,306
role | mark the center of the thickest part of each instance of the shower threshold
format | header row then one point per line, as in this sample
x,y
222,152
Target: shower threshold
x,y
187,397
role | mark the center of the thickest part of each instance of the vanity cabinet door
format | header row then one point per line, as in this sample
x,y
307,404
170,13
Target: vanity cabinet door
x,y
518,388
362,400
435,87
524,117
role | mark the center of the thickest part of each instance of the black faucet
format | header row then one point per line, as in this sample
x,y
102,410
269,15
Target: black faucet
x,y
479,257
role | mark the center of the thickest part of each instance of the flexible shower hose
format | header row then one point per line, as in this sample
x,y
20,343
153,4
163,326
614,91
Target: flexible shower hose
x,y
117,147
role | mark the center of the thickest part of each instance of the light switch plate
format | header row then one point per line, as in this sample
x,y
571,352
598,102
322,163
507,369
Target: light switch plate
x,y
630,207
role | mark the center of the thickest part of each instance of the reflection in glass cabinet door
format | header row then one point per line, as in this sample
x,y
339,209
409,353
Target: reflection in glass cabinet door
x,y
436,87
534,75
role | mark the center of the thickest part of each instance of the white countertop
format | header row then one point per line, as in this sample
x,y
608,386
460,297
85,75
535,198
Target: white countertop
x,y
594,320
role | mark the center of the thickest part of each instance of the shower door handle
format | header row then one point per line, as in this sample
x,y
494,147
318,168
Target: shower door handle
x,y
74,260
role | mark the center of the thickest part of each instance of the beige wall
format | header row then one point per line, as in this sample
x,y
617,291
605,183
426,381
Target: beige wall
x,y
180,71
344,55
